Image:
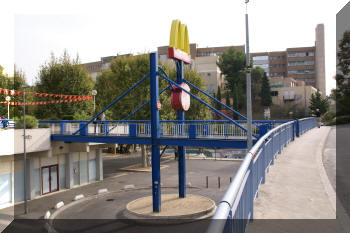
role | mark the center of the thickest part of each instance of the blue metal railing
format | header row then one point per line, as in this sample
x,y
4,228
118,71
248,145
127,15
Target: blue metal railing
x,y
305,124
237,205
168,128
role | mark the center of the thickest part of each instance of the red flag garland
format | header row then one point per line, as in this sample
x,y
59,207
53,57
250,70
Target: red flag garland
x,y
47,95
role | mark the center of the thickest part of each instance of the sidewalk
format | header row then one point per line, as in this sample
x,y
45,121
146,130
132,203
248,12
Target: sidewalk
x,y
297,186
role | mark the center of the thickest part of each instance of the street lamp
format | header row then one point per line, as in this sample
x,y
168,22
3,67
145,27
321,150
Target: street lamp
x,y
24,149
8,99
249,95
94,93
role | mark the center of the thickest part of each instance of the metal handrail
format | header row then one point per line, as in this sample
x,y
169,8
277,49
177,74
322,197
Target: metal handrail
x,y
224,209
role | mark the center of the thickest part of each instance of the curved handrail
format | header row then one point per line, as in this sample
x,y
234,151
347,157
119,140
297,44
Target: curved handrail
x,y
225,206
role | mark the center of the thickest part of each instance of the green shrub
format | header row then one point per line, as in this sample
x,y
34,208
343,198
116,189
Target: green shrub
x,y
340,120
31,122
328,116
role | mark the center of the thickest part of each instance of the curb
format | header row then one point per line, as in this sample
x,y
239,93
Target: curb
x,y
324,177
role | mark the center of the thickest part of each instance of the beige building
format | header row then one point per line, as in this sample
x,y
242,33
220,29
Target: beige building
x,y
290,91
210,72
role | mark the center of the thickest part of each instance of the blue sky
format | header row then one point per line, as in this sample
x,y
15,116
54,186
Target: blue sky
x,y
92,29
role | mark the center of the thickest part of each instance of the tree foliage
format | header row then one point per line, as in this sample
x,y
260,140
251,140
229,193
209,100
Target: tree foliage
x,y
266,99
257,75
343,79
317,102
64,76
14,82
218,97
227,95
231,64
125,72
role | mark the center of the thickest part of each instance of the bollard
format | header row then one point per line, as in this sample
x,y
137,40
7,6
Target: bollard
x,y
207,179
219,182
230,180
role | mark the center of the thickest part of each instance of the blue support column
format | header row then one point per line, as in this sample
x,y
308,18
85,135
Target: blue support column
x,y
181,149
156,189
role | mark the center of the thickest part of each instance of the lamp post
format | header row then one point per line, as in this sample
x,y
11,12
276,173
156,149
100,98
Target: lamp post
x,y
8,99
24,149
248,79
94,93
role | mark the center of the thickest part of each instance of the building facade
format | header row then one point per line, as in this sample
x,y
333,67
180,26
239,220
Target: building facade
x,y
51,166
290,91
305,64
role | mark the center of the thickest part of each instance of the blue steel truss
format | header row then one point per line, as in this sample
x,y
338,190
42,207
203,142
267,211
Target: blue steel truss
x,y
180,133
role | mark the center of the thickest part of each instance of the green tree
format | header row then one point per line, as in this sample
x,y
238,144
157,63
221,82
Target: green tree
x,y
343,79
228,102
218,97
64,76
231,64
266,99
317,102
14,82
257,75
125,72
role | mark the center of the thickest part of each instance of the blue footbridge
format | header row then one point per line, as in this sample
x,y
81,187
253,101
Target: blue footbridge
x,y
269,137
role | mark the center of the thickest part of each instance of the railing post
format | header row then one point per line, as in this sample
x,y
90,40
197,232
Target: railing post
x,y
297,128
156,188
192,131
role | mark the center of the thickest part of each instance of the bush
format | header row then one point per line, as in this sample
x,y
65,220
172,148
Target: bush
x,y
31,122
328,116
340,120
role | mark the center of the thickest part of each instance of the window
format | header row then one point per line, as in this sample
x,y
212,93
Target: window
x,y
300,54
260,58
300,63
274,93
307,71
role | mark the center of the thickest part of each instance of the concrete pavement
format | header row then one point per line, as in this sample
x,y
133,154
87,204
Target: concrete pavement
x,y
296,185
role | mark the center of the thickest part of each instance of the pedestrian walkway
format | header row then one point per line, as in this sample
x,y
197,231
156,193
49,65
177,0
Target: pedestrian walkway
x,y
297,186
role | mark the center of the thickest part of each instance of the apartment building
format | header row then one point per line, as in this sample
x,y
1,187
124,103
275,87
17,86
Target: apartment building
x,y
305,64
291,91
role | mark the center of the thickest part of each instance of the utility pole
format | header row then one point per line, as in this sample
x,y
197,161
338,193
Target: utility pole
x,y
248,79
24,150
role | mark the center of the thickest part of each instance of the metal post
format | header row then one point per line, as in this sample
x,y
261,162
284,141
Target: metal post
x,y
181,149
249,97
156,189
24,152
8,99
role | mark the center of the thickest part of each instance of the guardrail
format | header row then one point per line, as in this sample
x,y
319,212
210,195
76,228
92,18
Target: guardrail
x,y
142,128
305,124
237,205
185,129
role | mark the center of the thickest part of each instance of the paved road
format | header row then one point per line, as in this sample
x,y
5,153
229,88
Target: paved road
x,y
197,170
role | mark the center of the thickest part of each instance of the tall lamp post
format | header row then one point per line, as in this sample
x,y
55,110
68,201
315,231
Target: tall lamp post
x,y
24,149
94,93
248,79
8,99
